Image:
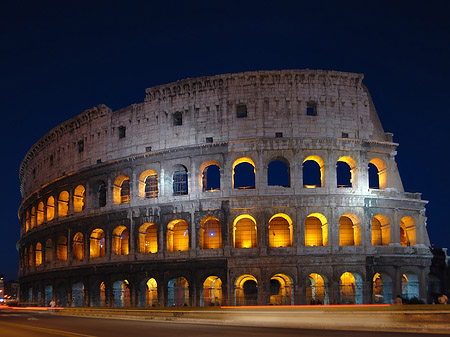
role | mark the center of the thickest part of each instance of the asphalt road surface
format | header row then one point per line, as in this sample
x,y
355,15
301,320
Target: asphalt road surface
x,y
18,323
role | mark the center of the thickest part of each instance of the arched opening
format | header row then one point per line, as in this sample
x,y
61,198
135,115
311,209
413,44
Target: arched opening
x,y
40,213
79,198
280,231
346,172
381,230
48,255
243,173
97,243
101,194
316,230
349,230
63,204
61,248
148,238
410,286
151,293
98,294
244,232
27,221
77,294
210,176
177,236
33,217
50,208
313,172
278,173
350,288
31,256
148,185
246,290
78,246
317,289
281,290
210,233
180,180
38,254
61,295
178,292
381,288
377,174
48,294
408,235
211,292
121,294
120,240
121,190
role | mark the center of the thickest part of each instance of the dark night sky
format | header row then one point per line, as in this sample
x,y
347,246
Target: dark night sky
x,y
58,58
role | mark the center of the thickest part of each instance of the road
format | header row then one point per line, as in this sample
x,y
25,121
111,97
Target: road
x,y
17,323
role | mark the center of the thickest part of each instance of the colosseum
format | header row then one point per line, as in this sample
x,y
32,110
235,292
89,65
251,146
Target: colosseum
x,y
254,188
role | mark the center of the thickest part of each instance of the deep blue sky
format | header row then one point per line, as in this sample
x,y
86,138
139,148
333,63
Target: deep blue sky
x,y
58,58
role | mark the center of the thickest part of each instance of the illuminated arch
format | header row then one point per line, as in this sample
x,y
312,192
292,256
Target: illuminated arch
x,y
317,289
50,208
30,256
148,238
381,174
121,293
349,230
148,185
281,290
244,232
63,204
410,286
246,290
278,172
245,177
209,176
38,254
40,213
350,288
97,243
177,236
211,292
79,198
313,172
316,230
121,190
381,230
210,233
27,220
408,235
61,248
151,293
33,217
280,231
381,288
178,292
120,240
346,169
78,246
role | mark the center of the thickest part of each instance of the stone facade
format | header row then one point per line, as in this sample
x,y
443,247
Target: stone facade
x,y
121,207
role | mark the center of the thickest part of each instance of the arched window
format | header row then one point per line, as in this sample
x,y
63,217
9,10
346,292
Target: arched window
x,y
30,256
121,294
79,198
280,231
151,293
381,231
78,246
346,172
349,230
63,204
177,292
246,290
410,286
350,288
97,243
244,232
210,233
101,194
244,173
61,248
121,190
177,236
50,208
313,172
211,292
148,185
38,254
317,289
33,217
148,238
408,235
281,290
278,173
381,289
27,221
40,213
377,174
48,251
316,230
210,176
120,240
180,180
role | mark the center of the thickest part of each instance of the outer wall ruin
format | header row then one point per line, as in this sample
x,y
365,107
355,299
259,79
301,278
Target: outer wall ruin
x,y
267,187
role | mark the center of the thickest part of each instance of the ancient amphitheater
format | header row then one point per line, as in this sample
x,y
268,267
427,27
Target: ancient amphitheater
x,y
266,187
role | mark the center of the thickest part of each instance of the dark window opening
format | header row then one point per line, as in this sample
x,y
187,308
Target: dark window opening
x,y
250,292
177,118
311,174
34,173
278,134
274,287
51,160
180,182
80,146
344,135
99,161
209,139
311,109
244,176
241,111
211,178
374,181
278,174
122,131
151,187
148,149
343,174
102,195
